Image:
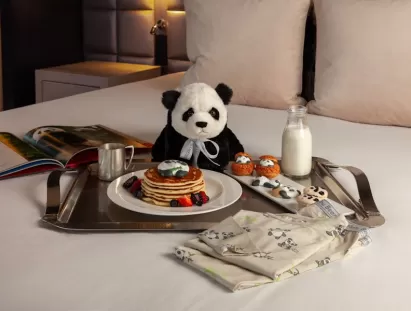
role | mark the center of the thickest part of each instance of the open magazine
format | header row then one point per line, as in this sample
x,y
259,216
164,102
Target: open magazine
x,y
54,147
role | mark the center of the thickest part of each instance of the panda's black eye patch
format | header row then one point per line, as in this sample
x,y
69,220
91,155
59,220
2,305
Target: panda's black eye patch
x,y
188,114
214,113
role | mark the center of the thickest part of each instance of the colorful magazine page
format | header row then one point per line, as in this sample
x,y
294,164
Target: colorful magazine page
x,y
51,147
99,134
16,155
64,143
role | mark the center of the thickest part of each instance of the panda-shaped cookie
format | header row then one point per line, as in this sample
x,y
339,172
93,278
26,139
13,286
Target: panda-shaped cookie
x,y
196,130
307,199
316,191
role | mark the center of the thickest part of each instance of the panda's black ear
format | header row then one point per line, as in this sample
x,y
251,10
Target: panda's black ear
x,y
225,93
170,98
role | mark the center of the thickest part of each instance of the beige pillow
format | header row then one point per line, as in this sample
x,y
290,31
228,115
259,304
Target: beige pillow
x,y
363,62
255,47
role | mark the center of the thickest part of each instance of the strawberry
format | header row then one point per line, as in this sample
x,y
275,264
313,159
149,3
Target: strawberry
x,y
135,186
185,201
204,197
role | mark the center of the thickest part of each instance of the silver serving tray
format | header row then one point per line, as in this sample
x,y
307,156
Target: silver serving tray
x,y
87,207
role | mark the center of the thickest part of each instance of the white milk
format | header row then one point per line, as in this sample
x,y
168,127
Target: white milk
x,y
296,158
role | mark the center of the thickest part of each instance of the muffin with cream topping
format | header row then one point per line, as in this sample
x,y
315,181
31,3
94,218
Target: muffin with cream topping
x,y
243,165
268,166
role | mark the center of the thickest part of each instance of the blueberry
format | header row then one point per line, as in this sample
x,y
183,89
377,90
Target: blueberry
x,y
166,173
127,184
181,173
197,199
138,194
174,203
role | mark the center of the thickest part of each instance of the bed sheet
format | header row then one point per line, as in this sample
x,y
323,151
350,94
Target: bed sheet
x,y
42,269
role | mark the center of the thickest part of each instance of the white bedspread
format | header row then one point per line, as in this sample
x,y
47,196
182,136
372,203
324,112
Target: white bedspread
x,y
42,269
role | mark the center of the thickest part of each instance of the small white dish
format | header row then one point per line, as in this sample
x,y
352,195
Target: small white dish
x,y
289,204
220,188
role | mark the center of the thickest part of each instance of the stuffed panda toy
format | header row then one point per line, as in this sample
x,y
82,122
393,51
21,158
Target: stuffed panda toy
x,y
196,130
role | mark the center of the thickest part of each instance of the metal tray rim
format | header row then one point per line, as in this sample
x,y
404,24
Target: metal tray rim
x,y
59,210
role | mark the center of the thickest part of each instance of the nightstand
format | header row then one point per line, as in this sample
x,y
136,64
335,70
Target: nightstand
x,y
62,81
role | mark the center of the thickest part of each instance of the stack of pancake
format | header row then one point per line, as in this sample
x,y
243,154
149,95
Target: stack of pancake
x,y
161,190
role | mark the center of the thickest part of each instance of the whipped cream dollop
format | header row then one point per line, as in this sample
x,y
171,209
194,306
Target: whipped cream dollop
x,y
266,162
242,159
169,168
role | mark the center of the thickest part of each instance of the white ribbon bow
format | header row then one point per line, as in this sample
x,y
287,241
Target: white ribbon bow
x,y
194,147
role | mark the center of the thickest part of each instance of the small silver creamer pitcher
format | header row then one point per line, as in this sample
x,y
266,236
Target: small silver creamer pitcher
x,y
112,161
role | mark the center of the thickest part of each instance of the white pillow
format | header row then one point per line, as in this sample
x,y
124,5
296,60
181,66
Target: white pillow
x,y
255,47
363,62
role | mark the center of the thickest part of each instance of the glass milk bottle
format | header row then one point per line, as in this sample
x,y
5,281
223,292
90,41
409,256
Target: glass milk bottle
x,y
296,150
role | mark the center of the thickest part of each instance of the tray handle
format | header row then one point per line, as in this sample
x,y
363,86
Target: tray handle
x,y
53,192
375,218
366,198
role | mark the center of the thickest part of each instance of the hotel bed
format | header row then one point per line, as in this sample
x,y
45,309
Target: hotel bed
x,y
43,269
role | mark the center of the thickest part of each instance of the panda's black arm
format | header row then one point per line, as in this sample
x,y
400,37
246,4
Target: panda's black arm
x,y
234,144
160,147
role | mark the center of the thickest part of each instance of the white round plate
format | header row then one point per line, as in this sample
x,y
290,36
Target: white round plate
x,y
222,190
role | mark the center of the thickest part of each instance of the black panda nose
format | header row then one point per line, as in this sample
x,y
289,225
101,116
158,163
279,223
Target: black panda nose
x,y
201,124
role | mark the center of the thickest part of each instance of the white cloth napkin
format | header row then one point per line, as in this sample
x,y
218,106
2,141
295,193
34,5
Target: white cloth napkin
x,y
252,249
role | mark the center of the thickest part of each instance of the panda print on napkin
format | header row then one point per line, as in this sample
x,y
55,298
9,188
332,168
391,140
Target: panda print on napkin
x,y
251,249
274,243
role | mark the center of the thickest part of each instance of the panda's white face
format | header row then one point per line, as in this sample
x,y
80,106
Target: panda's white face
x,y
199,112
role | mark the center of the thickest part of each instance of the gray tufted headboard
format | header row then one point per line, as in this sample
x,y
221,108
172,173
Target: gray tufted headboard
x,y
119,30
